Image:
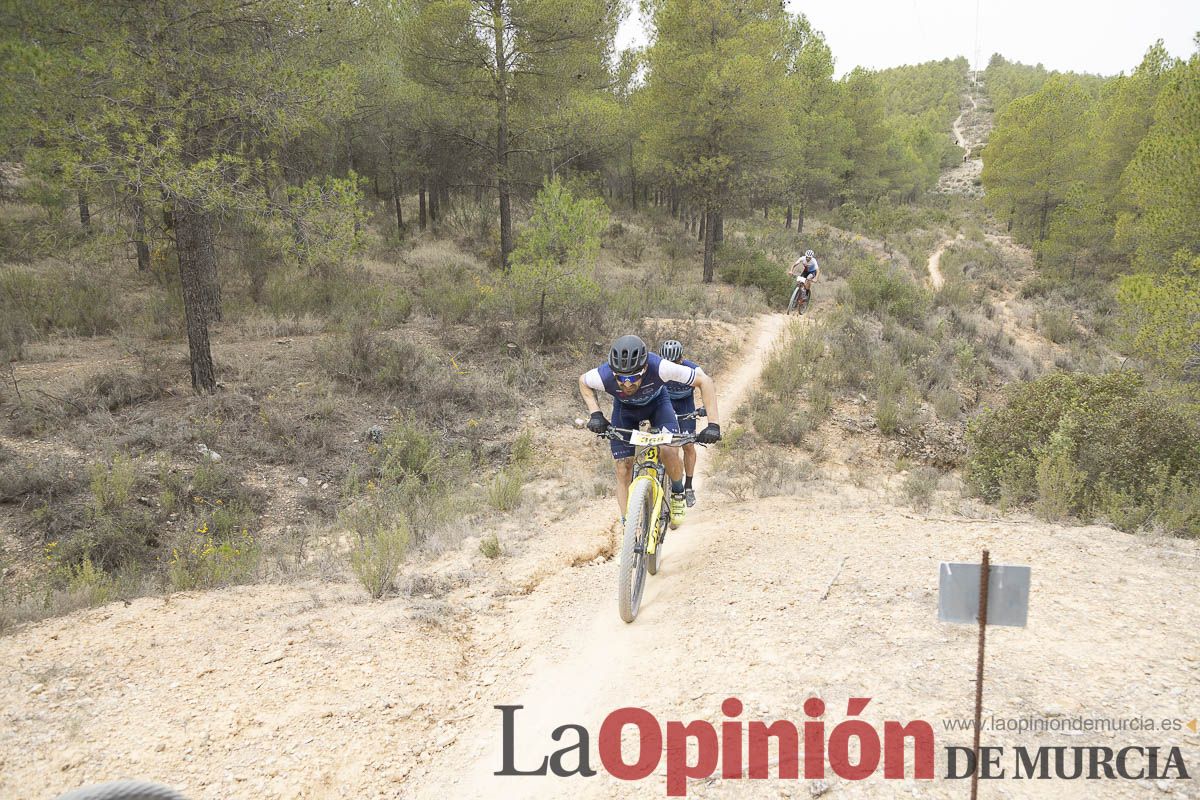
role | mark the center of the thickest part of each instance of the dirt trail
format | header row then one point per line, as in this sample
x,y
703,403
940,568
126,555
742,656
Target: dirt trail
x,y
935,261
957,126
970,129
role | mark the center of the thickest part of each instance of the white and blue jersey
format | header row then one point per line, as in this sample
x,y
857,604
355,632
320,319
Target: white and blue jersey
x,y
659,372
648,401
683,400
682,391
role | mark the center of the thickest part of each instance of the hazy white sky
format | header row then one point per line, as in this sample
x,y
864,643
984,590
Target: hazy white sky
x,y
1102,36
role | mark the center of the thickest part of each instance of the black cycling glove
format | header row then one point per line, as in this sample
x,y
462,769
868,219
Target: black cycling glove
x,y
597,423
710,435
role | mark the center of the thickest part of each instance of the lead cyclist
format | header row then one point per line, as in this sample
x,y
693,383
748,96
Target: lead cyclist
x,y
637,379
806,269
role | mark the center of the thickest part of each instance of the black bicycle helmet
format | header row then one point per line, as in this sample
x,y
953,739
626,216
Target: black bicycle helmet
x,y
671,350
628,355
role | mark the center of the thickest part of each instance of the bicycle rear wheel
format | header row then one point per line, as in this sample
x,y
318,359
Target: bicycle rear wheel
x,y
631,576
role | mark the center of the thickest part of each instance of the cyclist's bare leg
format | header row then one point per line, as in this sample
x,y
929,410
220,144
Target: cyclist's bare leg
x,y
624,476
689,460
673,461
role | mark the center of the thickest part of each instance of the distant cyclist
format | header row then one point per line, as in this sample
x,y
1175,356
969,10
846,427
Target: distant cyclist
x,y
637,380
683,398
805,270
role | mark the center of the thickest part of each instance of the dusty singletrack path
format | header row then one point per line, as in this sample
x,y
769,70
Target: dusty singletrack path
x,y
935,262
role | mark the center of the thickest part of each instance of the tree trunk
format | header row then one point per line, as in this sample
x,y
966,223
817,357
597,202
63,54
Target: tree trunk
x,y
85,213
206,260
168,214
800,218
444,200
194,243
435,203
421,213
633,188
788,224
396,191
502,187
139,235
1042,222
710,242
718,226
703,224
765,214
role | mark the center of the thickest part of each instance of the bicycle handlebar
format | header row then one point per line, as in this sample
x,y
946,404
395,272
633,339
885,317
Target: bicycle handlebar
x,y
677,439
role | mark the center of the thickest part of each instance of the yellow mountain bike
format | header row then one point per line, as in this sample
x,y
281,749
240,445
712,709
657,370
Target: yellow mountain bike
x,y
647,514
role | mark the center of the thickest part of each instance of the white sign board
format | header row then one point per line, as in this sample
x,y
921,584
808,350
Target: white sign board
x,y
1008,594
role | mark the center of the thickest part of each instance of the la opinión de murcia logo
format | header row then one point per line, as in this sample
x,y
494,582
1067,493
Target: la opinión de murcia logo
x,y
741,749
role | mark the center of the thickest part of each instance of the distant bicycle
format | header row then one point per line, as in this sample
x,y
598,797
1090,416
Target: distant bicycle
x,y
798,303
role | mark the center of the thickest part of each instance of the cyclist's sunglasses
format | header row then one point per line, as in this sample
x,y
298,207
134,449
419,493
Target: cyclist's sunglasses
x,y
629,380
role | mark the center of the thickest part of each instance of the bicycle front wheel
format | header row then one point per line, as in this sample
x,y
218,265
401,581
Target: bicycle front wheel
x,y
631,578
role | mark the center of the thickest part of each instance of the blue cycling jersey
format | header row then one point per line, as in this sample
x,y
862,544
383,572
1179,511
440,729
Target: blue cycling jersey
x,y
651,387
679,391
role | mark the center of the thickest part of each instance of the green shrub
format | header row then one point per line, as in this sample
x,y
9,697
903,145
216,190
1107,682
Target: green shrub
x,y
343,295
946,403
453,287
89,585
1086,445
779,422
887,414
789,366
882,289
522,449
119,387
504,492
420,473
1057,325
490,546
955,294
743,266
1059,481
368,359
919,486
212,555
380,542
116,529
552,274
79,302
820,399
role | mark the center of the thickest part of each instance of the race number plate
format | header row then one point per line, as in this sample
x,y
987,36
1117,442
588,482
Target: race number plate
x,y
642,438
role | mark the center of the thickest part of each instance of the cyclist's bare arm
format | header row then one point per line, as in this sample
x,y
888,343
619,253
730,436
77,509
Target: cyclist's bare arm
x,y
708,391
588,394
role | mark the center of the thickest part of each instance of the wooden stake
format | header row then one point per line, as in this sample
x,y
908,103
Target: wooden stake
x,y
983,604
